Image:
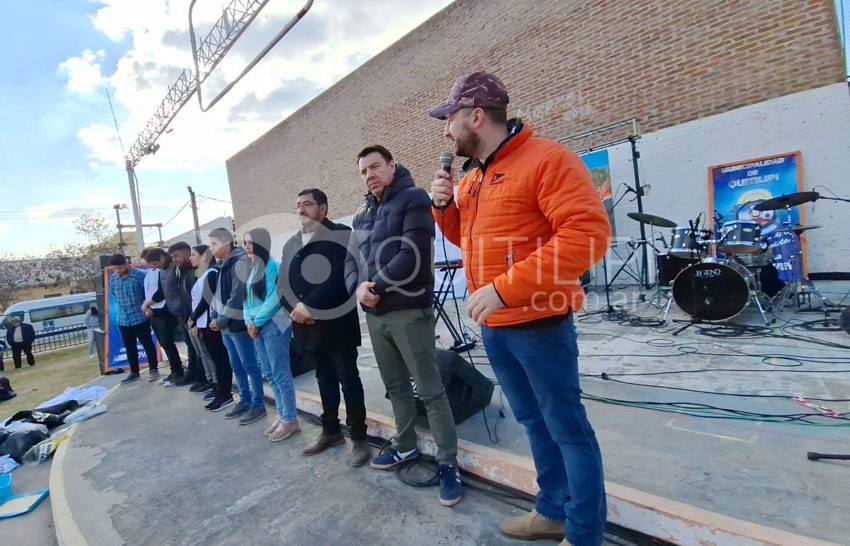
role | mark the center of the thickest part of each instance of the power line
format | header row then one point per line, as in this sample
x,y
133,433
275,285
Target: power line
x,y
186,204
213,199
30,211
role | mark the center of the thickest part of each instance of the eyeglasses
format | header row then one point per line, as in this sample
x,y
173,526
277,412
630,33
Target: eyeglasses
x,y
304,205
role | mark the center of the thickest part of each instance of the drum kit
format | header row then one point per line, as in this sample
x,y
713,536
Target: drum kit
x,y
715,275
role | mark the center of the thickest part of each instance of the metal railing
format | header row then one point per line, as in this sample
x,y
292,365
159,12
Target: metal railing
x,y
51,340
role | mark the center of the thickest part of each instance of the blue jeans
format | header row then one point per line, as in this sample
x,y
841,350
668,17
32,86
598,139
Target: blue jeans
x,y
273,348
538,372
245,366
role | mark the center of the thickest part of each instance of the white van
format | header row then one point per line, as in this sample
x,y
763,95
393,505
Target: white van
x,y
49,314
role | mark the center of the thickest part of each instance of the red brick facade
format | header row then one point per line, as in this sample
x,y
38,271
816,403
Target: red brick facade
x,y
570,65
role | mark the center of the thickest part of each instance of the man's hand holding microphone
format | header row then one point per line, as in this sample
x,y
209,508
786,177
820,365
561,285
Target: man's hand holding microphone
x,y
442,188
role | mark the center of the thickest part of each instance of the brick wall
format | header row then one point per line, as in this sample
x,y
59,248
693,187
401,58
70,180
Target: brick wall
x,y
570,65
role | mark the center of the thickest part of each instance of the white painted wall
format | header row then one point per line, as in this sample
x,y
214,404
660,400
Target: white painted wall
x,y
675,162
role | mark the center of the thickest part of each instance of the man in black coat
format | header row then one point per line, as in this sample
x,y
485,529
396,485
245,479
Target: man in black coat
x,y
325,324
390,271
20,336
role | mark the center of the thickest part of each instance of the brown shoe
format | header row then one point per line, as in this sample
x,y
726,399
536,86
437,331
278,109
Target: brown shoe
x,y
532,526
360,453
272,427
284,430
323,442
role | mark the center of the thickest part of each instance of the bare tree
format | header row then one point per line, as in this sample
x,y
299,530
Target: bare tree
x,y
96,229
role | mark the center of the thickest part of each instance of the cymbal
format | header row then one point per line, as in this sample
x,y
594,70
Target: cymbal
x,y
789,200
652,220
798,229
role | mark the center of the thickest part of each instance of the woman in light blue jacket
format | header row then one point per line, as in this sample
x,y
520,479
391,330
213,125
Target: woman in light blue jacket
x,y
270,327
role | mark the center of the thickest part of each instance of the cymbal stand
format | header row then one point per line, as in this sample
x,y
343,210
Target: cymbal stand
x,y
799,288
659,293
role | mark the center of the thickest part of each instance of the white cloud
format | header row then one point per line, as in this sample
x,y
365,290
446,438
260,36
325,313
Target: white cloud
x,y
322,48
102,142
83,72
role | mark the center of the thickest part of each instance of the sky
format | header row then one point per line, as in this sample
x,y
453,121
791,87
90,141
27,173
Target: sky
x,y
65,59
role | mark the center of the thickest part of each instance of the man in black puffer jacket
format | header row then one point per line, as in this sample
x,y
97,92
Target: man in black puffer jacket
x,y
389,268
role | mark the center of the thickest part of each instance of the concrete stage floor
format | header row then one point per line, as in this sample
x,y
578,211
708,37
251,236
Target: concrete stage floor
x,y
157,468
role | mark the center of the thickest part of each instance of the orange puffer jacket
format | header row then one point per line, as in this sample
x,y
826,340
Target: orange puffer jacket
x,y
531,223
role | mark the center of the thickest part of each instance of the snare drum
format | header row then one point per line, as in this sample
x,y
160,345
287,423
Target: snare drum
x,y
740,237
689,244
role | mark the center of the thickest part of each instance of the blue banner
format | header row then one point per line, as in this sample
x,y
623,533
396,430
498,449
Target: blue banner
x,y
116,353
736,188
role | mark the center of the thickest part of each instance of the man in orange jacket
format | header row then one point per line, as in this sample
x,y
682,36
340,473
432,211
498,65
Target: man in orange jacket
x,y
529,222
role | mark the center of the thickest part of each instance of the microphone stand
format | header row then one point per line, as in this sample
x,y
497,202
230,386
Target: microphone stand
x,y
609,309
637,189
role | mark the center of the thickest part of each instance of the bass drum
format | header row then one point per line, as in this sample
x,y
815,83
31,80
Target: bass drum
x,y
713,291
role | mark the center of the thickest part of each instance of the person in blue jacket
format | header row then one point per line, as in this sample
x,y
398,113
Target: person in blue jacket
x,y
271,329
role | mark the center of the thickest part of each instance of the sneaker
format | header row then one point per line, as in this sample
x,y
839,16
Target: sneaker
x,y
252,415
132,376
197,387
210,395
237,411
273,426
181,381
531,526
323,442
168,379
218,404
360,453
207,388
153,375
451,490
284,430
390,458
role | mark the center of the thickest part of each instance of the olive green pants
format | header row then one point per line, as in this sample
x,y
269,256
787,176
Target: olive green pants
x,y
403,342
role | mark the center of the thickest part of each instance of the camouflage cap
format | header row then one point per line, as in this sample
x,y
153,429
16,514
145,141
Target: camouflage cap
x,y
476,90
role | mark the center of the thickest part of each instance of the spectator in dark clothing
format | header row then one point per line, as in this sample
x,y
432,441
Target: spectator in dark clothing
x,y
228,317
6,390
390,271
185,273
216,362
325,325
3,348
164,319
20,336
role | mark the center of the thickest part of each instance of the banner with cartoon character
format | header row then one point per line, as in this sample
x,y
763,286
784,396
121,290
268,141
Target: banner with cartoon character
x,y
734,189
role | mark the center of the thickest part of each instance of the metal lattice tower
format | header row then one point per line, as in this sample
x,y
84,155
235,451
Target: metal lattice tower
x,y
234,20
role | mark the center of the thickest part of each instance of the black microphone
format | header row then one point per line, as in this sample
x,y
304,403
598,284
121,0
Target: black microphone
x,y
446,159
692,232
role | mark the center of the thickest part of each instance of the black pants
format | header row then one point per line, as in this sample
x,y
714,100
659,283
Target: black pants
x,y
164,325
335,368
142,332
196,369
16,353
218,352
